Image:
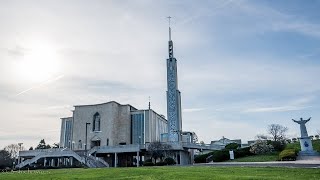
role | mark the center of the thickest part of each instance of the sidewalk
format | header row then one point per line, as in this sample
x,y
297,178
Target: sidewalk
x,y
310,163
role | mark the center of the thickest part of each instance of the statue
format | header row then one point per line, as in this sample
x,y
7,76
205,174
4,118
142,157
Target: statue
x,y
303,128
305,140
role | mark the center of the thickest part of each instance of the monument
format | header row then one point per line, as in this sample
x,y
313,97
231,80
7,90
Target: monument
x,y
305,140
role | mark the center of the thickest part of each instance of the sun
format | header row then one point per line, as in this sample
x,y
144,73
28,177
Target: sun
x,y
39,63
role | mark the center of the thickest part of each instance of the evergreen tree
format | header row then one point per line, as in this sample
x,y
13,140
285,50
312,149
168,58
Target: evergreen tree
x,y
42,145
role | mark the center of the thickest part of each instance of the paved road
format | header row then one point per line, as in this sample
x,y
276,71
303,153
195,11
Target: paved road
x,y
300,163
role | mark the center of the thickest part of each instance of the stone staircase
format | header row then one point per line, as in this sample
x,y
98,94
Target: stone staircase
x,y
96,162
93,162
52,153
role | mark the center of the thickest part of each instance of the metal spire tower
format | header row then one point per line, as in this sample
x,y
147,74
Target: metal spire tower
x,y
173,96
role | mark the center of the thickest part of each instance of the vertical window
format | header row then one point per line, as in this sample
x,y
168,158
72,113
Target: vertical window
x,y
96,122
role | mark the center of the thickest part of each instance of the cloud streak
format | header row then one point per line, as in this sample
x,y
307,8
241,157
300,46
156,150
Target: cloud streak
x,y
40,85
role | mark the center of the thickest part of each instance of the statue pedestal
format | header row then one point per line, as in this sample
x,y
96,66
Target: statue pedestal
x,y
306,147
306,144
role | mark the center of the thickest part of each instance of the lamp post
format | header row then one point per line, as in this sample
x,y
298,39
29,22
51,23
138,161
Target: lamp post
x,y
138,158
85,145
20,144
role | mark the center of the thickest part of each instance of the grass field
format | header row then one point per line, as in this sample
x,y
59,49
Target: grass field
x,y
174,172
257,158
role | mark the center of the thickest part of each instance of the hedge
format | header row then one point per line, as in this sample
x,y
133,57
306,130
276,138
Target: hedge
x,y
169,161
288,155
222,155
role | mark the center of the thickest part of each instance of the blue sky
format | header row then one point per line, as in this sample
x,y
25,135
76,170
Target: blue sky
x,y
242,65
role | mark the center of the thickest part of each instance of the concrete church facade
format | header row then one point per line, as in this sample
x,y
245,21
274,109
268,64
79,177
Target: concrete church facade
x,y
111,124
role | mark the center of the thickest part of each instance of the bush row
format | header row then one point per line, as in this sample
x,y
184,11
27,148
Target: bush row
x,y
167,161
222,155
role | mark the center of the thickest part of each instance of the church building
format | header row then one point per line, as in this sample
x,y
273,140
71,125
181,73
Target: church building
x,y
110,124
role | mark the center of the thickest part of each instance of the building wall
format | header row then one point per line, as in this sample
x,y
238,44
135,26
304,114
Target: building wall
x,y
115,124
155,127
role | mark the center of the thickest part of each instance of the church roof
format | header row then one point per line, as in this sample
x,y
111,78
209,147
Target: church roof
x,y
105,103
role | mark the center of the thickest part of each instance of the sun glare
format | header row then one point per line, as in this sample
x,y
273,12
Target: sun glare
x,y
39,64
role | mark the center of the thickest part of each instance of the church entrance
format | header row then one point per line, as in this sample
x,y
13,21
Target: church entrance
x,y
95,143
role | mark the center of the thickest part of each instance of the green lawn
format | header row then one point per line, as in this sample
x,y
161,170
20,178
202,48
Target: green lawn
x,y
173,172
257,158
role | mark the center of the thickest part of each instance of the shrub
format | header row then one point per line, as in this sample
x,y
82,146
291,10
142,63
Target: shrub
x,y
288,155
161,163
232,146
169,161
148,162
201,158
278,145
242,152
219,156
261,147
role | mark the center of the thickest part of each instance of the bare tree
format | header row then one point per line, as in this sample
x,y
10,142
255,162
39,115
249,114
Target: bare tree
x,y
277,131
13,150
159,150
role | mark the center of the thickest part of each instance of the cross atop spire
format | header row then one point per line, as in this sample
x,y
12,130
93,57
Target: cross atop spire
x,y
169,19
170,41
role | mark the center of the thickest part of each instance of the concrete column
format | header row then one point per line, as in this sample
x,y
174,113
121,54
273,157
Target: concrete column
x,y
44,162
71,161
52,162
115,159
138,159
192,156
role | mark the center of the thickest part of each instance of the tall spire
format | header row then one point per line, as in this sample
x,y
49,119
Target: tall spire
x,y
170,41
173,95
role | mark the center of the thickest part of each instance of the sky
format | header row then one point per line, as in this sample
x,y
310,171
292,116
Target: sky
x,y
242,65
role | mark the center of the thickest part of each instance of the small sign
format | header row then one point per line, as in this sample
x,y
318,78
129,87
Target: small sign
x,y
231,154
